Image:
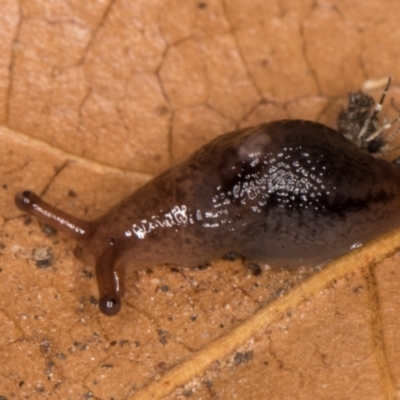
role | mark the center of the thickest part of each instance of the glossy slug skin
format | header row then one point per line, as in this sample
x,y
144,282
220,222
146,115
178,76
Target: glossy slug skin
x,y
288,193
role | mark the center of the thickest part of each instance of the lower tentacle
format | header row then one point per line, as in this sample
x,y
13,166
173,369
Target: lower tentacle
x,y
108,282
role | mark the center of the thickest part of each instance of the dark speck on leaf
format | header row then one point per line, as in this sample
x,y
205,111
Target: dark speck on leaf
x,y
43,263
80,346
255,269
87,274
241,358
357,289
61,356
163,336
202,267
208,383
164,288
49,230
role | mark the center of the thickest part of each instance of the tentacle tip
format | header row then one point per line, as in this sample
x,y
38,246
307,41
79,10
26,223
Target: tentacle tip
x,y
110,305
23,200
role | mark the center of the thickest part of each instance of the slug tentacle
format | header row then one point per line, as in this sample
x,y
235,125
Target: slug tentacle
x,y
108,281
31,203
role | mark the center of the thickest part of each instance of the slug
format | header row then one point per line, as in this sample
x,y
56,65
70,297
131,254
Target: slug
x,y
288,192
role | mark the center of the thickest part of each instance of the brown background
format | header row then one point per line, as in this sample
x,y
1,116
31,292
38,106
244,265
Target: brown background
x,y
98,96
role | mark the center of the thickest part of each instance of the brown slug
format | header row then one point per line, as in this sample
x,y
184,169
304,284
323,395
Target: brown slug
x,y
288,192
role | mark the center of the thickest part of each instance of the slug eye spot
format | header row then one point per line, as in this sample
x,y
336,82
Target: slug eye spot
x,y
110,304
23,200
26,195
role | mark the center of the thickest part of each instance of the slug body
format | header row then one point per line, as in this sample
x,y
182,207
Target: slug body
x,y
288,193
